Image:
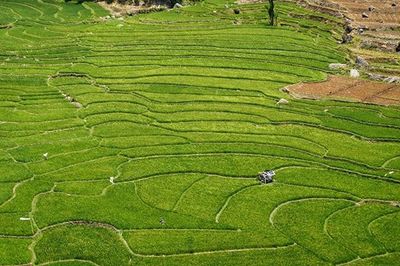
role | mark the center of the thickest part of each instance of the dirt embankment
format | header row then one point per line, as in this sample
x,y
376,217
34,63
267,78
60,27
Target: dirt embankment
x,y
377,22
380,20
371,30
375,14
348,89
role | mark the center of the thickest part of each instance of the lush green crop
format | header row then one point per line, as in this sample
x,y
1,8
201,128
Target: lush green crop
x,y
138,141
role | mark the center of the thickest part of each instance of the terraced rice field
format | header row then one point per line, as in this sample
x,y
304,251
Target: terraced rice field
x,y
138,142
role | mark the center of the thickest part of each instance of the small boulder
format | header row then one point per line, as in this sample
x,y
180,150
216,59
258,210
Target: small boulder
x,y
371,8
177,5
282,101
335,66
77,104
285,89
376,77
348,28
354,73
392,79
347,20
361,62
364,15
394,4
236,11
346,38
398,48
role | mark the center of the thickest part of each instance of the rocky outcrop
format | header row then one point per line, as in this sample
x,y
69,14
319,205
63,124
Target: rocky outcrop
x,y
361,62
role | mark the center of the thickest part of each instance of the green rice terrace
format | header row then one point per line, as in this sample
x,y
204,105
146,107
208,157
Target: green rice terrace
x,y
139,140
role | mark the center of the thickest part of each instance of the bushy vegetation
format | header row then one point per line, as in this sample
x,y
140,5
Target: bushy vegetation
x,y
138,141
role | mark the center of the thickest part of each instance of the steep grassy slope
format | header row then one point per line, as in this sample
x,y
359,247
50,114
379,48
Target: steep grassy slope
x,y
180,109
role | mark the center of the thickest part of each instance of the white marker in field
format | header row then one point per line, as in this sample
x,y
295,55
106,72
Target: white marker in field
x,y
46,155
24,219
112,180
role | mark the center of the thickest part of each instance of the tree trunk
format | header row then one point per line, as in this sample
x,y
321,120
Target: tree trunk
x,y
271,12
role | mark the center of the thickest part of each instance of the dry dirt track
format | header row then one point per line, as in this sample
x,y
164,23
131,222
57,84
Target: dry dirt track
x,y
343,88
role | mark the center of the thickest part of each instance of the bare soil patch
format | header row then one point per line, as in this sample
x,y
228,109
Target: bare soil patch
x,y
348,89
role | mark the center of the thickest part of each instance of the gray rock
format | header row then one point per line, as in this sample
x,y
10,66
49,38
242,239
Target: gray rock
x,y
285,89
77,104
376,77
364,15
348,21
335,66
354,73
177,5
348,28
361,62
392,79
282,101
346,38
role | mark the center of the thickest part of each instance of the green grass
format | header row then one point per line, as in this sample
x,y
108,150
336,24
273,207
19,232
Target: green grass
x,y
179,107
